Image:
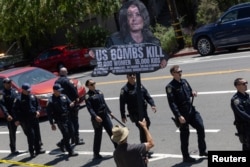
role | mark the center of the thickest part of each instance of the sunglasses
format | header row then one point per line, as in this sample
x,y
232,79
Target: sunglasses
x,y
92,84
178,71
243,83
131,75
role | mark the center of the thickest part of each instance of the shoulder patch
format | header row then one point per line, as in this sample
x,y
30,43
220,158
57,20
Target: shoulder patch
x,y
71,81
86,97
100,92
236,101
122,92
169,89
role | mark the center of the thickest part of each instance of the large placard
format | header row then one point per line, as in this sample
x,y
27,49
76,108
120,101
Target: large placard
x,y
123,59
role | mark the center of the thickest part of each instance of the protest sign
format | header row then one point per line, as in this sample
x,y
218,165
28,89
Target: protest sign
x,y
123,59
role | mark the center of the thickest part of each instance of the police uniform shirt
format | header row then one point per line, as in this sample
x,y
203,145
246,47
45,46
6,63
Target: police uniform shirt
x,y
178,94
68,87
95,103
25,107
240,103
128,95
7,98
57,106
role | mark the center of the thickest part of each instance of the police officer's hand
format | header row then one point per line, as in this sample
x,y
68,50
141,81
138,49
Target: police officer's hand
x,y
194,93
9,118
17,123
37,114
72,104
111,114
98,119
53,127
124,120
154,109
182,120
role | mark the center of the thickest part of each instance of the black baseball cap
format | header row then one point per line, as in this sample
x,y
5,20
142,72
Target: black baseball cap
x,y
6,80
57,87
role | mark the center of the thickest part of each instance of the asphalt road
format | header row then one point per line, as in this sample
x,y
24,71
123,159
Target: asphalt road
x,y
211,76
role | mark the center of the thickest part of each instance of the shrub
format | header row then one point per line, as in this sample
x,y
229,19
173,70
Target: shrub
x,y
167,37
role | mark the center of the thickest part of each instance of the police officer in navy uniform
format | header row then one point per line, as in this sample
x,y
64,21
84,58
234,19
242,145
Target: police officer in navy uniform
x,y
70,90
8,94
128,96
100,118
27,111
179,95
58,107
240,104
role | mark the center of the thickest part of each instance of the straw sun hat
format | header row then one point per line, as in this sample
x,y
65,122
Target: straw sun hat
x,y
119,133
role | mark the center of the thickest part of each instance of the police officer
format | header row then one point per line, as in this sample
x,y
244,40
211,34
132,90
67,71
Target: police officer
x,y
26,110
128,96
179,94
58,113
240,104
70,90
8,94
99,112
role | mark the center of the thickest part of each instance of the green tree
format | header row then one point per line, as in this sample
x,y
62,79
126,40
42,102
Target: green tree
x,y
32,22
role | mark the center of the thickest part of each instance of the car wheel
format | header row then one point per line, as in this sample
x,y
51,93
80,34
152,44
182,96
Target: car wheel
x,y
205,46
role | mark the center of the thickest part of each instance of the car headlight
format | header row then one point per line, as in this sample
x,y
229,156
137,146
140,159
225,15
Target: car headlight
x,y
44,96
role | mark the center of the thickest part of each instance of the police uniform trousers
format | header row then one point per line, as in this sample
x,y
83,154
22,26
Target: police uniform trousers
x,y
98,127
143,138
65,126
195,120
32,131
246,144
12,135
75,122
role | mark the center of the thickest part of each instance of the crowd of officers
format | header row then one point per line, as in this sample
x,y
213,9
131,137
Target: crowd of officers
x,y
62,109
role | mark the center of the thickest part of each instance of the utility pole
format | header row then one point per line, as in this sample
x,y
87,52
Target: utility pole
x,y
176,23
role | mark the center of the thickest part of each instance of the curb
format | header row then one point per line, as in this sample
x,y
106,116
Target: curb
x,y
184,54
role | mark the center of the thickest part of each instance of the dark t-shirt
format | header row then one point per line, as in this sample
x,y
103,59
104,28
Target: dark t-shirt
x,y
130,155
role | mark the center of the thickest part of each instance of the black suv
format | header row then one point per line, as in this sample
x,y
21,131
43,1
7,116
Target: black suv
x,y
231,31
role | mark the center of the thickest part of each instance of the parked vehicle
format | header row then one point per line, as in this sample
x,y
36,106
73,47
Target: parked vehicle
x,y
41,82
68,56
230,31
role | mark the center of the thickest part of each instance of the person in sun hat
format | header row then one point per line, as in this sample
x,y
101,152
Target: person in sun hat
x,y
130,155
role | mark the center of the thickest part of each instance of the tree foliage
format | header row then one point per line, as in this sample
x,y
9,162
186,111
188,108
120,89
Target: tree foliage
x,y
27,21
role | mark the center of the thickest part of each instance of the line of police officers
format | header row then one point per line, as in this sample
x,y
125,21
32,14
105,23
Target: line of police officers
x,y
23,109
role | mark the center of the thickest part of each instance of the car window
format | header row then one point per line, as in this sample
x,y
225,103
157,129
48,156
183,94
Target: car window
x,y
54,52
230,16
44,56
32,77
244,13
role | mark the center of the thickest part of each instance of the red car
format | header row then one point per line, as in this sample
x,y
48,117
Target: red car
x,y
68,56
41,82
